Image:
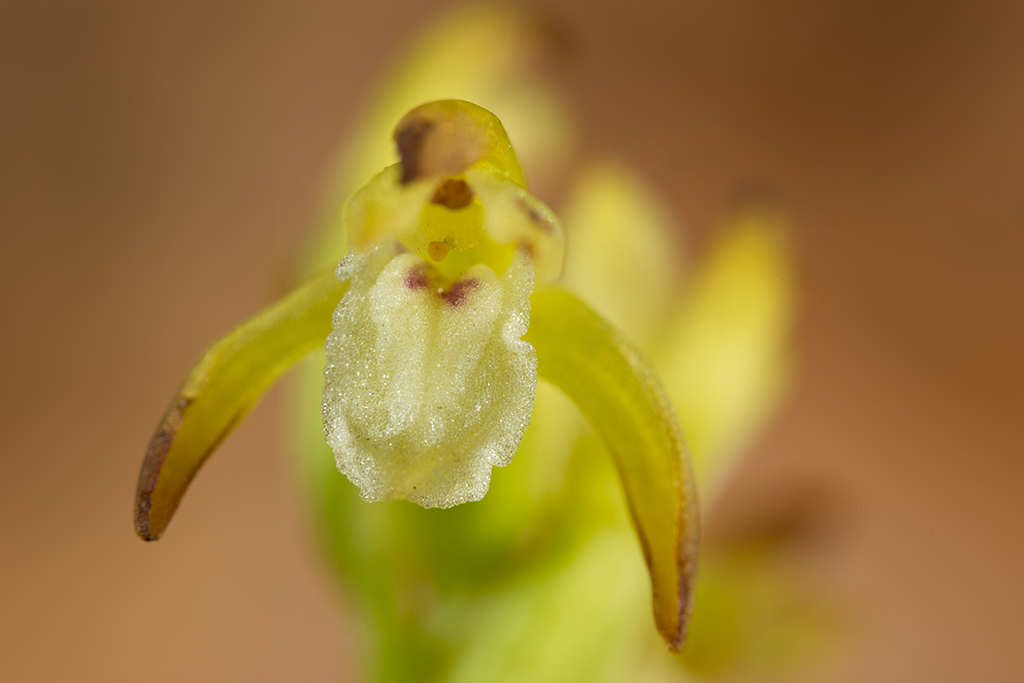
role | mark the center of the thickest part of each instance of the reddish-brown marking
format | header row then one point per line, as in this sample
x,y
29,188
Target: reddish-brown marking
x,y
536,217
416,277
457,294
409,139
454,193
156,456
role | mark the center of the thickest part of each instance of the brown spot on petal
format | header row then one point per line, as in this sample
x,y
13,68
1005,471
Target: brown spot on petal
x,y
410,136
416,278
454,193
457,294
439,139
536,217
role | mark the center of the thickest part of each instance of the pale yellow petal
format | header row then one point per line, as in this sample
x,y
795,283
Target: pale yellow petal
x,y
457,198
513,216
624,256
428,385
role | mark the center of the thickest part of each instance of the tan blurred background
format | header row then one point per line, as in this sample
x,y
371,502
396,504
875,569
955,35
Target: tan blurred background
x,y
160,163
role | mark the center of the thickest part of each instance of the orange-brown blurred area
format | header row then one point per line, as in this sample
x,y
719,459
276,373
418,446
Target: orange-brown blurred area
x,y
161,164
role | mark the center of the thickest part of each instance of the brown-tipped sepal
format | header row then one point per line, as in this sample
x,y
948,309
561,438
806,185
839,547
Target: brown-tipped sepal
x,y
221,388
620,396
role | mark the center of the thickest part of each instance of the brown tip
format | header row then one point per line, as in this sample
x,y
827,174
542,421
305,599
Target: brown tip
x,y
148,526
676,638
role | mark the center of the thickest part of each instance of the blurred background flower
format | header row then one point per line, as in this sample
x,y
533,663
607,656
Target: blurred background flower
x,y
133,134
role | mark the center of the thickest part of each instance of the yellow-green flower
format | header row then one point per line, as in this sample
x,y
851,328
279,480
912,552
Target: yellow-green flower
x,y
428,382
449,304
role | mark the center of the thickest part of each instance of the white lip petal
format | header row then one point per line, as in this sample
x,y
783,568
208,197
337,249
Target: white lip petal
x,y
427,387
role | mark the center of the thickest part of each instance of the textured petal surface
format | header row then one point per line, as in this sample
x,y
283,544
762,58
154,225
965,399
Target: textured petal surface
x,y
621,398
222,387
427,386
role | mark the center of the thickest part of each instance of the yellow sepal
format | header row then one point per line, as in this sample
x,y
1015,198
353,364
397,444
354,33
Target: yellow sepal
x,y
222,387
619,395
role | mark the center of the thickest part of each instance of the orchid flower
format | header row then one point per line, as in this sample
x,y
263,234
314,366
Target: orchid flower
x,y
438,335
437,338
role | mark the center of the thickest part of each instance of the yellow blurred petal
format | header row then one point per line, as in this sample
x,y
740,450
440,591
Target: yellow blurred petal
x,y
756,617
222,388
486,55
624,258
539,125
621,398
725,359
